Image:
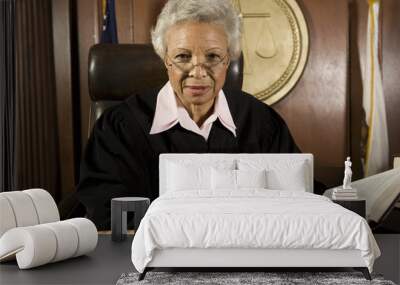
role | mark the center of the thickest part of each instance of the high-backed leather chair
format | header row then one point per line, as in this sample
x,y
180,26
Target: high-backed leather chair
x,y
117,71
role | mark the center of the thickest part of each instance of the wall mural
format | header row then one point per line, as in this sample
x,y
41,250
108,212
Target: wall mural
x,y
275,47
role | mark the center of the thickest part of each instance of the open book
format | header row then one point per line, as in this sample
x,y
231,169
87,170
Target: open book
x,y
381,191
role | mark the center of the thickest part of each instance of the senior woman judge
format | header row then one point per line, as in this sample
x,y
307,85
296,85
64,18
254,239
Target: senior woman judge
x,y
192,113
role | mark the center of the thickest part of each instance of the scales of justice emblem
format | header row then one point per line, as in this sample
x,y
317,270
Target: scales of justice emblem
x,y
275,47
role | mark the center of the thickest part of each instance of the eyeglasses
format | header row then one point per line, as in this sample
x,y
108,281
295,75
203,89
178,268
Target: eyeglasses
x,y
184,61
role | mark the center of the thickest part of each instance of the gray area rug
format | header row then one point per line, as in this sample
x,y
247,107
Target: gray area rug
x,y
232,278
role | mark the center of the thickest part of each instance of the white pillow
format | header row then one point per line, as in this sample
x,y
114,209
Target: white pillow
x,y
223,179
251,178
281,174
292,179
236,179
189,174
183,178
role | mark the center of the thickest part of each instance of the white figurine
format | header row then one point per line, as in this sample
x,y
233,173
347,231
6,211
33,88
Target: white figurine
x,y
347,174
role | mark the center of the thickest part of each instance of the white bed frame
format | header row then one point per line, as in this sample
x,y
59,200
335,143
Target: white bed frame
x,y
234,257
251,258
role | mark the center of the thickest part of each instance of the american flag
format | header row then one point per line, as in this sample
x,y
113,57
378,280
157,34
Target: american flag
x,y
109,33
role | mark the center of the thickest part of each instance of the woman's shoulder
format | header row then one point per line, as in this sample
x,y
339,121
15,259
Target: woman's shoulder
x,y
112,118
143,102
137,107
245,104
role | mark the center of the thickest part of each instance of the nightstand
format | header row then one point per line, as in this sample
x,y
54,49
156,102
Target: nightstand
x,y
119,208
357,205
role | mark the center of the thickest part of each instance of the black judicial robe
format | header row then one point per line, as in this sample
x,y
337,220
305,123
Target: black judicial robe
x,y
121,157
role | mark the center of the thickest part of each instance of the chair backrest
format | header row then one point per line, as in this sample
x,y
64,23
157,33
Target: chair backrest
x,y
117,71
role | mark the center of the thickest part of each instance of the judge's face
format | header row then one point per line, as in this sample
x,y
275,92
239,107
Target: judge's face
x,y
197,60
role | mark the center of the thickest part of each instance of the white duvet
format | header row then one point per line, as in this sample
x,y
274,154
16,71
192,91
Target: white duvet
x,y
252,218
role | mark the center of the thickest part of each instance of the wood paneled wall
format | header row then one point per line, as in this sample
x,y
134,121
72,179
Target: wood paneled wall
x,y
317,108
37,160
63,67
391,70
88,23
358,26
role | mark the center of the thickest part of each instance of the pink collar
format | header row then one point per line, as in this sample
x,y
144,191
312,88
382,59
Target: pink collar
x,y
168,114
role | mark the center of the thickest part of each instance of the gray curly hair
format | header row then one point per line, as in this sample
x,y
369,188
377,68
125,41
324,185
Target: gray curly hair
x,y
209,11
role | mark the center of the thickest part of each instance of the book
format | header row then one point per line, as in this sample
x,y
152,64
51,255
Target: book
x,y
345,198
352,197
344,194
341,190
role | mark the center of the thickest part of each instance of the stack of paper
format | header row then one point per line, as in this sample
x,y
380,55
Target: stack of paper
x,y
344,194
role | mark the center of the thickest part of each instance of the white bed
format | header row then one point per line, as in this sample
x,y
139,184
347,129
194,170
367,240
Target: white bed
x,y
203,220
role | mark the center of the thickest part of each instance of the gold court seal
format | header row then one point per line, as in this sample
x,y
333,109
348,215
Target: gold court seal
x,y
275,47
